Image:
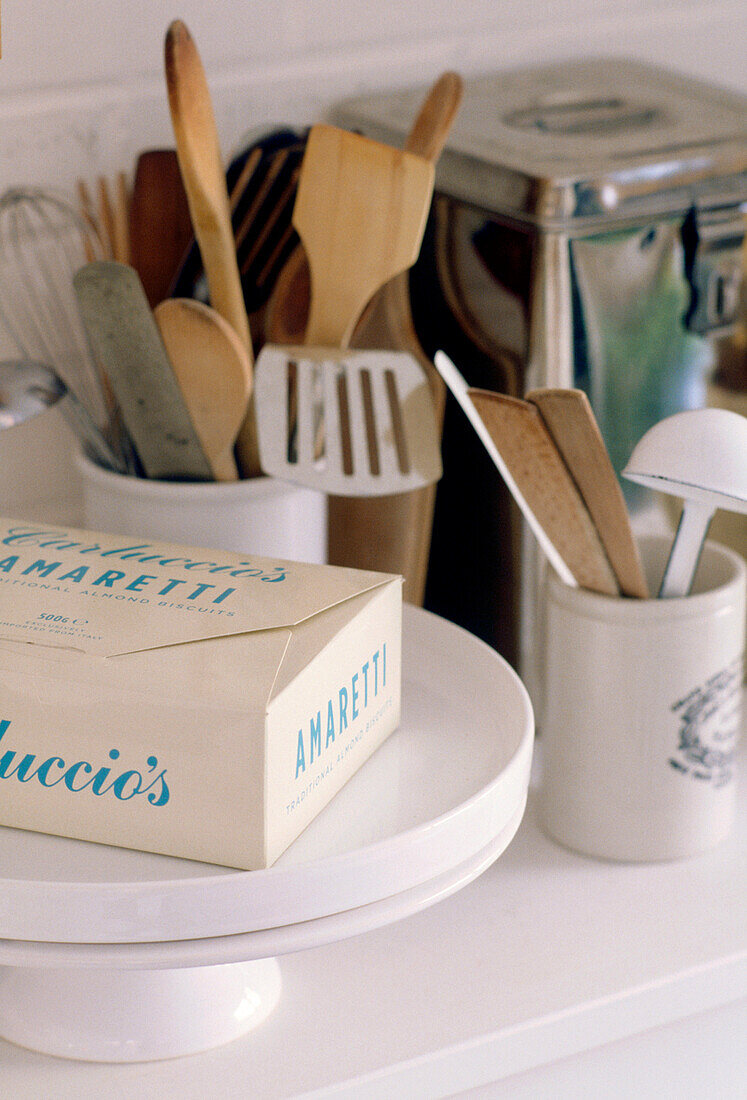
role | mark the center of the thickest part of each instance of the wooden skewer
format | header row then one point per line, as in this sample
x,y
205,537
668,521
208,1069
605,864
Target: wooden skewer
x,y
105,216
121,226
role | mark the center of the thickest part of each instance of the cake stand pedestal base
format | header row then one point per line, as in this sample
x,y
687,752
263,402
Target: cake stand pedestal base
x,y
149,1014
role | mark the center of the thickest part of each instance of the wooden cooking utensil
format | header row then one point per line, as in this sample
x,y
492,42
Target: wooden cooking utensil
x,y
88,215
160,225
109,217
287,308
214,375
113,216
201,165
105,211
360,211
569,418
522,449
127,343
392,534
389,316
261,181
121,229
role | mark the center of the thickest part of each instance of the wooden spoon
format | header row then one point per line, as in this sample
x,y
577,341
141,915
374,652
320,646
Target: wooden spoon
x,y
201,164
214,374
570,420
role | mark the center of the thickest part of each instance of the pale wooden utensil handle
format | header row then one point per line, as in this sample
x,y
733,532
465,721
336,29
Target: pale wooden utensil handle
x,y
543,480
570,420
201,164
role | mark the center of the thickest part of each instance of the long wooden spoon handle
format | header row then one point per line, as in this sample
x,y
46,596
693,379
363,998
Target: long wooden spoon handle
x,y
430,129
201,164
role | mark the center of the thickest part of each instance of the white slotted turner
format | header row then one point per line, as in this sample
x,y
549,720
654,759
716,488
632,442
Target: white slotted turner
x,y
362,425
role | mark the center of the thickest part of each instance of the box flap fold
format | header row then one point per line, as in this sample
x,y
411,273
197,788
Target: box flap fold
x,y
109,595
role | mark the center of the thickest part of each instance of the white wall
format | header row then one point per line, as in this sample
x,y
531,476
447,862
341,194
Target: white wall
x,y
82,88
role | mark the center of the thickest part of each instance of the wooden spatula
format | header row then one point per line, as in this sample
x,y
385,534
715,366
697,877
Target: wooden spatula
x,y
288,305
360,211
214,375
522,449
570,420
127,344
201,164
160,225
393,534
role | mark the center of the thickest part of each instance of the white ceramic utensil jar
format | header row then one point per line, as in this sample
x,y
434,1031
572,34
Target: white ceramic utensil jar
x,y
261,515
642,714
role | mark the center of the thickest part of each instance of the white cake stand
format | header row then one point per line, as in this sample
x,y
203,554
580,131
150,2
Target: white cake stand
x,y
111,955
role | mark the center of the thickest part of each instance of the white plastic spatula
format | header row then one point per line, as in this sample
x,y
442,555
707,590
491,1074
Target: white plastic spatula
x,y
379,425
700,456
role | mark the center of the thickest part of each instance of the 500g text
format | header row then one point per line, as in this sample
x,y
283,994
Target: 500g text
x,y
62,619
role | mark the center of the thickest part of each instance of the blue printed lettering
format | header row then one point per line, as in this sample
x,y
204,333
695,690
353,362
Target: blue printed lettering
x,y
354,692
139,583
124,786
315,736
41,567
109,577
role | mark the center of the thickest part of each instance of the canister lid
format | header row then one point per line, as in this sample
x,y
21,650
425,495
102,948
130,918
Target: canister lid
x,y
580,142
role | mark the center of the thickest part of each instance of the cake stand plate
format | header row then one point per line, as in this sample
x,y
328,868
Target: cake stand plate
x,y
110,955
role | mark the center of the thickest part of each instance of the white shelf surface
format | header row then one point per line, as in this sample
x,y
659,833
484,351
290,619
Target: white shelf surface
x,y
546,955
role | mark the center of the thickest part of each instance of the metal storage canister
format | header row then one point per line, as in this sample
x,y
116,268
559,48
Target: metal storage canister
x,y
586,230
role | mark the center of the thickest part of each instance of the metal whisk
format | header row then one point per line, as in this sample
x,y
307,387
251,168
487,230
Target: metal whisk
x,y
43,242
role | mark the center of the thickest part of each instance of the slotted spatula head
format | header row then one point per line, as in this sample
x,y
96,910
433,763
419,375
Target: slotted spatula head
x,y
359,425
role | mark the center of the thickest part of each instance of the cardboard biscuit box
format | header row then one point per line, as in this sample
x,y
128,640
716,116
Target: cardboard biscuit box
x,y
190,702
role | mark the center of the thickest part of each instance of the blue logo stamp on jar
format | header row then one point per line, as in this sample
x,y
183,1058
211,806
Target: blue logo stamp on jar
x,y
709,718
